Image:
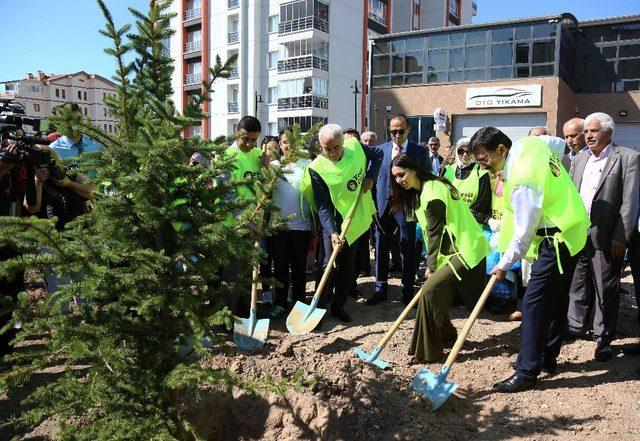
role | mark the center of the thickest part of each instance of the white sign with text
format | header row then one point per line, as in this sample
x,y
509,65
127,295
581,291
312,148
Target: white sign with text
x,y
504,96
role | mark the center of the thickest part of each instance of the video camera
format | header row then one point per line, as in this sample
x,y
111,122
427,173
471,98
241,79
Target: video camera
x,y
13,117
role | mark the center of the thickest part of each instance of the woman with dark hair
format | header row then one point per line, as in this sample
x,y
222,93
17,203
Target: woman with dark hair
x,y
457,249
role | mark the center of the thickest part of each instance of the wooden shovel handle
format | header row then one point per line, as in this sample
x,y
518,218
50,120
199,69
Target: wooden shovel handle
x,y
470,321
254,281
387,336
336,250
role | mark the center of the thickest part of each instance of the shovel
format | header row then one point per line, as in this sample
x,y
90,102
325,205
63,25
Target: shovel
x,y
373,357
438,389
250,334
303,318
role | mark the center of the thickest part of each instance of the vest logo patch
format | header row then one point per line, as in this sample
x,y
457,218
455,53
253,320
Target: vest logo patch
x,y
352,185
555,168
248,175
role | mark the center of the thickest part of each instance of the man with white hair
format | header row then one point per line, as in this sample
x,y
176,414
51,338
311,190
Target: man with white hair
x,y
334,180
369,139
608,178
538,131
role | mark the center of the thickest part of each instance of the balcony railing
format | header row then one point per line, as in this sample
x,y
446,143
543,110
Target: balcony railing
x,y
303,102
303,62
233,37
233,107
302,24
192,79
377,17
233,73
192,46
192,14
234,4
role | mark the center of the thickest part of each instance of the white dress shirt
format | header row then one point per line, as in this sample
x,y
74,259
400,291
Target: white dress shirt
x,y
591,176
526,202
403,149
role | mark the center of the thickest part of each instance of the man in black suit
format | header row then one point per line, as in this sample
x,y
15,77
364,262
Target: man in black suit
x,y
437,161
389,220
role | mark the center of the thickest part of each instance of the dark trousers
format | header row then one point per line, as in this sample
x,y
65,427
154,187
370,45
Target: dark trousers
x,y
9,288
266,271
634,251
389,221
341,276
544,308
595,286
290,249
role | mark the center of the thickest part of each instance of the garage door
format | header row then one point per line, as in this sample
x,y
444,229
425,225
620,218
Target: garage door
x,y
515,126
627,135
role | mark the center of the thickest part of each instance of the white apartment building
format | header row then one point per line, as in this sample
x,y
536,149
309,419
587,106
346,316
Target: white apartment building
x,y
42,92
299,61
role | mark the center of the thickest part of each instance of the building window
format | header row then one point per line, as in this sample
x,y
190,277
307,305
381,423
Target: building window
x,y
57,93
85,111
36,107
85,96
305,122
79,95
378,11
32,88
105,111
272,95
273,128
273,59
63,94
272,24
104,96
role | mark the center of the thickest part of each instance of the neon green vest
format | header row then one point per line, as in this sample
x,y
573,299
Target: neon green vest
x,y
464,232
468,188
344,179
497,203
562,206
247,167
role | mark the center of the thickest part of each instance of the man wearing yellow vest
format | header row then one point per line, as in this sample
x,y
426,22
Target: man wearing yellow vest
x,y
545,221
333,183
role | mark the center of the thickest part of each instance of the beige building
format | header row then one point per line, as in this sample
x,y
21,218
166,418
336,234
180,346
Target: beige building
x,y
42,92
512,75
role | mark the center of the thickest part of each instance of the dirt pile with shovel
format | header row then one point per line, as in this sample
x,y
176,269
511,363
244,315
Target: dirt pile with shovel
x,y
351,399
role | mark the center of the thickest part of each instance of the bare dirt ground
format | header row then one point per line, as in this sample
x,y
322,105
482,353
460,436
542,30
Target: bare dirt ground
x,y
354,400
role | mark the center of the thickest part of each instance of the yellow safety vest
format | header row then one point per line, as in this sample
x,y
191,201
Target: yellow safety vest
x,y
247,167
468,187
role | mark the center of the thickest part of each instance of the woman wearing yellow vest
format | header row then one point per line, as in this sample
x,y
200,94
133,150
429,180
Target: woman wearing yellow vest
x,y
457,249
545,221
473,183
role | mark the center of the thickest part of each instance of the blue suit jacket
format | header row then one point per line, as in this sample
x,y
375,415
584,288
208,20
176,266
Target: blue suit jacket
x,y
383,184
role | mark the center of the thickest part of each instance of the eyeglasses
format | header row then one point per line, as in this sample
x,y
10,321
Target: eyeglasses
x,y
485,160
398,132
464,152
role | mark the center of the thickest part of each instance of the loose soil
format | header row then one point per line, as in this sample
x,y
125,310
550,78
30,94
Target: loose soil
x,y
351,399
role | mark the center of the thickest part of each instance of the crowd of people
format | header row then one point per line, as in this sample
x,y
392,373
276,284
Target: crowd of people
x,y
553,219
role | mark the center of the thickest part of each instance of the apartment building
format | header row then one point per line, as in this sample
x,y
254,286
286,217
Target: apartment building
x,y
299,61
42,92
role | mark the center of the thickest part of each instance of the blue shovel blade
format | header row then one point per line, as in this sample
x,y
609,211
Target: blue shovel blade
x,y
304,318
249,337
373,357
437,389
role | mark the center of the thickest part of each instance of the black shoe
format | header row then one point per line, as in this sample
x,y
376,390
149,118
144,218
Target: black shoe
x,y
376,298
603,351
341,315
631,349
515,383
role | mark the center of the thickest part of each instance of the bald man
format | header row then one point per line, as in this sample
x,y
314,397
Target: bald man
x,y
573,132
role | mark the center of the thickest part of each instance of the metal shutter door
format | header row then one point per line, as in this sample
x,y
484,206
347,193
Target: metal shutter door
x,y
627,135
515,126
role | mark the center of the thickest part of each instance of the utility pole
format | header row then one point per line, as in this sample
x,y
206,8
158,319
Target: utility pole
x,y
258,100
356,92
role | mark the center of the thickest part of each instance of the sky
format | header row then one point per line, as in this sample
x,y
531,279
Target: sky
x,y
61,36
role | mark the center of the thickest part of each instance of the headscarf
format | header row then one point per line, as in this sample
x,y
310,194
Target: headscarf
x,y
463,142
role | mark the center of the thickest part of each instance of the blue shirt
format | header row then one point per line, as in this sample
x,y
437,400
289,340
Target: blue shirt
x,y
66,148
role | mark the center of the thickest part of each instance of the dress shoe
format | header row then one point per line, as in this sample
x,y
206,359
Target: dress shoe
x,y
603,351
341,315
631,349
376,298
515,383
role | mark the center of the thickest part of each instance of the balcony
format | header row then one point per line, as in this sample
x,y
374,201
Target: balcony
x,y
192,46
192,79
303,102
377,18
233,73
232,4
233,37
302,24
233,107
303,62
192,14
474,8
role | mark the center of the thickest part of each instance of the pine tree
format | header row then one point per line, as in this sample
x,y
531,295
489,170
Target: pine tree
x,y
144,261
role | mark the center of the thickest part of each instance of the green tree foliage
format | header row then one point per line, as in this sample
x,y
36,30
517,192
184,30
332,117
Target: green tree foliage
x,y
142,289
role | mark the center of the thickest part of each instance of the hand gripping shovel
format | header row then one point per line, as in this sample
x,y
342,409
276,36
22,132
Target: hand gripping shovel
x,y
250,334
438,389
303,318
373,357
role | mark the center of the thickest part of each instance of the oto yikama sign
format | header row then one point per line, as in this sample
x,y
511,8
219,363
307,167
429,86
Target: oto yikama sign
x,y
504,96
